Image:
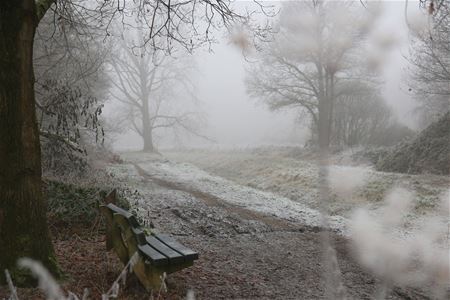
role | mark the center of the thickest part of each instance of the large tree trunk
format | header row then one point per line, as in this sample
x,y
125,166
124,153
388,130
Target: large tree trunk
x,y
147,134
148,140
23,222
324,126
325,108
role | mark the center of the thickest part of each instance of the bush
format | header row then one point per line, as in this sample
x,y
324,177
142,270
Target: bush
x,y
427,153
372,155
70,204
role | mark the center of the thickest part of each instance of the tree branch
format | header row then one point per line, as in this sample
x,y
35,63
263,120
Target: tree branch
x,y
42,6
67,142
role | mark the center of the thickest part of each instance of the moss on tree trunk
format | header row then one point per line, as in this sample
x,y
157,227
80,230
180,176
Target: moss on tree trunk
x,y
23,223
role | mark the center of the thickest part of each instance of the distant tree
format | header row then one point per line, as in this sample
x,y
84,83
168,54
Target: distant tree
x,y
155,90
311,60
429,71
23,225
363,118
357,117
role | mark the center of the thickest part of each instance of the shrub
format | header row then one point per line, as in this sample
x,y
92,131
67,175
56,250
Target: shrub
x,y
72,204
427,153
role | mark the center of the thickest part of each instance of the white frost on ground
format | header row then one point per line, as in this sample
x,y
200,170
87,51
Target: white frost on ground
x,y
230,192
295,176
271,203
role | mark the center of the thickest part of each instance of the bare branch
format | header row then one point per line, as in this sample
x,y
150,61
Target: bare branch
x,y
51,136
42,6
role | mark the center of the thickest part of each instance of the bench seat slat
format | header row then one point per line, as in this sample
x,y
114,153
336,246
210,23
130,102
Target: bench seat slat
x,y
154,256
173,256
189,254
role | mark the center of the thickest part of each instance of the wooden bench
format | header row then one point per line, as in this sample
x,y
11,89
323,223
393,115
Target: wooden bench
x,y
157,253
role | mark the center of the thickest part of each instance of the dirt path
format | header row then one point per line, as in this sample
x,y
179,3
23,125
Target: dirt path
x,y
246,254
214,201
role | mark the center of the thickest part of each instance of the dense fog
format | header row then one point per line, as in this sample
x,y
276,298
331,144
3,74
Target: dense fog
x,y
220,149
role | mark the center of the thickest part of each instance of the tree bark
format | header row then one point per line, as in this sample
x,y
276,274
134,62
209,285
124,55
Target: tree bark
x,y
147,134
325,107
23,222
148,140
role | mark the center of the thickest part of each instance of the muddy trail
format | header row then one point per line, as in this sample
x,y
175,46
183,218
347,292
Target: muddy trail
x,y
246,254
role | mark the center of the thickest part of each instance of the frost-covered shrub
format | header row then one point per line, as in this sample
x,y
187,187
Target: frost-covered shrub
x,y
429,152
76,204
57,160
370,154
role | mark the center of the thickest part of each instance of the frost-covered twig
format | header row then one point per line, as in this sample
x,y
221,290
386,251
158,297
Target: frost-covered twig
x,y
113,292
53,291
11,286
190,295
163,286
46,282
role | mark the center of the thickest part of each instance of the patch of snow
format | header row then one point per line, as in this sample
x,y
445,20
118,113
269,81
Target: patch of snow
x,y
243,196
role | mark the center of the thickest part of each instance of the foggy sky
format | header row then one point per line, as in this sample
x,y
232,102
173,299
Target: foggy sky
x,y
236,120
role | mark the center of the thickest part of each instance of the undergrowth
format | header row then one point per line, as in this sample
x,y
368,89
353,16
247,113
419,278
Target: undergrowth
x,y
72,204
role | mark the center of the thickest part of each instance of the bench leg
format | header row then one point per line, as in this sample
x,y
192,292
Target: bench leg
x,y
150,276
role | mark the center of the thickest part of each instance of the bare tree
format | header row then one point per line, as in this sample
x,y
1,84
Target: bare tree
x,y
363,118
23,225
155,90
429,71
310,60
